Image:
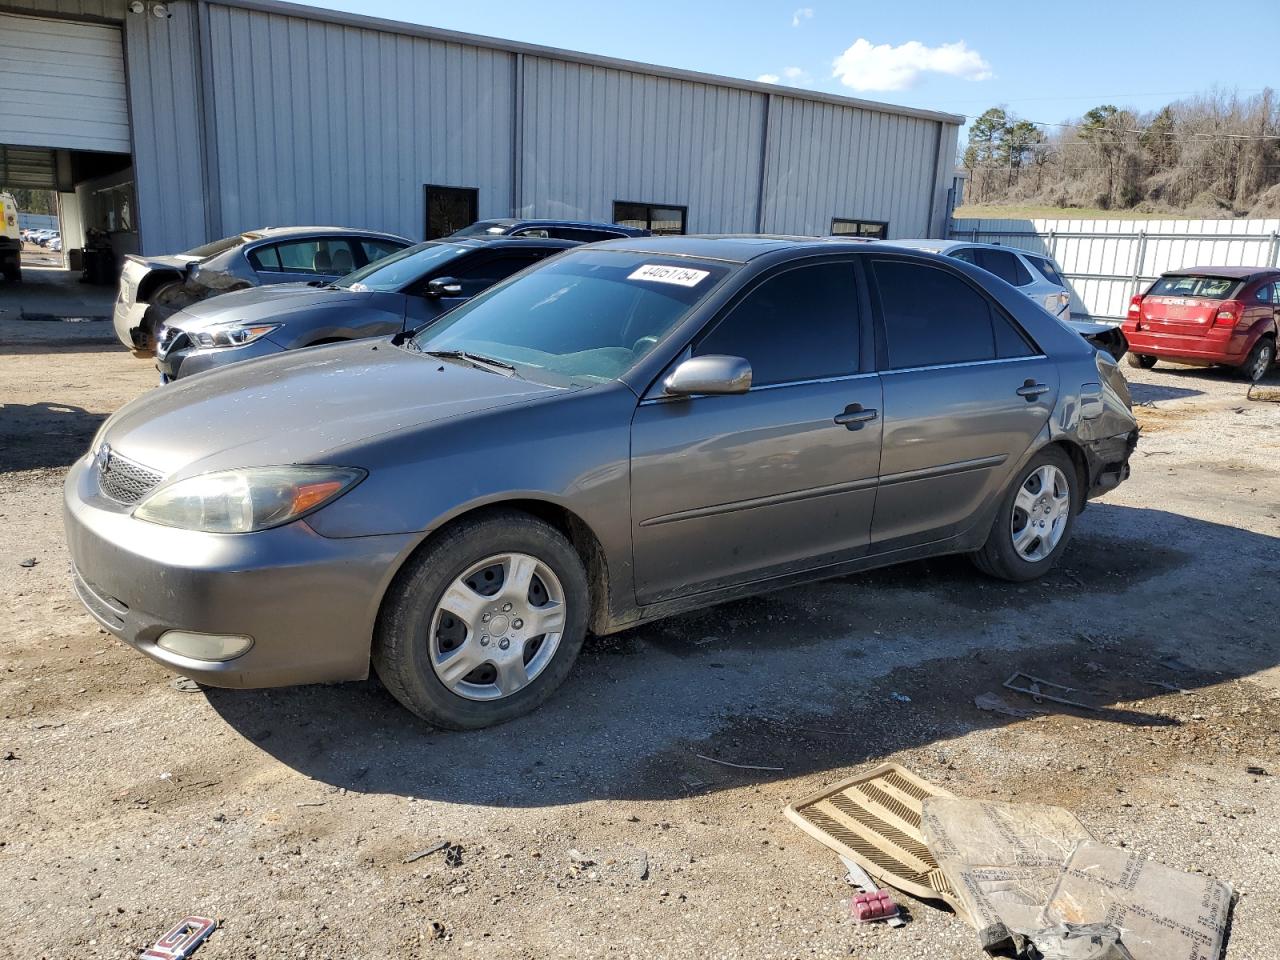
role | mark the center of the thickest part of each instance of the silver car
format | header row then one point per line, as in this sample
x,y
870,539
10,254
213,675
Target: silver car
x,y
152,288
628,430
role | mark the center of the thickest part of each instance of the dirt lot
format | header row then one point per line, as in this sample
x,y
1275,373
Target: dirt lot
x,y
126,804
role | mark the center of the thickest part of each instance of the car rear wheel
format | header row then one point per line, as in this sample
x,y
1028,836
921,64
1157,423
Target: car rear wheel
x,y
1260,359
1143,361
1034,521
485,623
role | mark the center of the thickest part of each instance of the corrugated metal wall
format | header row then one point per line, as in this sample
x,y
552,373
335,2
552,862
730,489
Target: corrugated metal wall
x,y
322,123
592,135
830,161
1105,262
246,115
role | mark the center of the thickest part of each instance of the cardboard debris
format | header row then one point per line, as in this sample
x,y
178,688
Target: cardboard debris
x,y
1160,913
1002,859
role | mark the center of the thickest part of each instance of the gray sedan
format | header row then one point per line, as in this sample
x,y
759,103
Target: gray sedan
x,y
405,290
629,430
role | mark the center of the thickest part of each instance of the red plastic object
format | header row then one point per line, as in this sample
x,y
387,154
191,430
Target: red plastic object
x,y
869,907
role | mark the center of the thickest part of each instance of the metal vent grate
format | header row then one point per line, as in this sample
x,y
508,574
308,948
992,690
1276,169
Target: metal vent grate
x,y
874,818
123,480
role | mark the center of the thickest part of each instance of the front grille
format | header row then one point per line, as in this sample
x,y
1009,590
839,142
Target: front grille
x,y
123,480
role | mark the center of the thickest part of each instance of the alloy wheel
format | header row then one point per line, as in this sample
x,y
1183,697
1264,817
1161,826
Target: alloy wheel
x,y
497,626
1041,510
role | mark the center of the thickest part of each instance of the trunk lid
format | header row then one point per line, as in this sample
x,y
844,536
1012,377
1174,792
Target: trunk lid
x,y
1185,305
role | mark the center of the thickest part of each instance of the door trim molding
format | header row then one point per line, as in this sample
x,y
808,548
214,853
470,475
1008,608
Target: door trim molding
x,y
943,470
776,498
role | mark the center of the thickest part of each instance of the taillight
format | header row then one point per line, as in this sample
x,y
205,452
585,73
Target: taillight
x,y
1135,305
1228,314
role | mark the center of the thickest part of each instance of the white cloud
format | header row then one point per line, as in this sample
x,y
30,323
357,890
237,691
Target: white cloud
x,y
794,76
801,15
867,66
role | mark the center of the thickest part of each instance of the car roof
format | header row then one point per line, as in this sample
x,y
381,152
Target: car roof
x,y
512,223
275,233
946,246
502,240
731,248
1225,273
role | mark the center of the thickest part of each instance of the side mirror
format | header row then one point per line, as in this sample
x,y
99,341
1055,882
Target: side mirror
x,y
713,374
444,287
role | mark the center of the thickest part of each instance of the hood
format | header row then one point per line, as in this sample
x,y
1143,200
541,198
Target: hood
x,y
301,407
260,303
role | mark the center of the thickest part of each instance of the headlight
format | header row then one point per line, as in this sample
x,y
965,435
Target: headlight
x,y
241,501
233,334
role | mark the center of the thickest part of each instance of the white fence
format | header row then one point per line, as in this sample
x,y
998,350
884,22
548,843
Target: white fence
x,y
1105,262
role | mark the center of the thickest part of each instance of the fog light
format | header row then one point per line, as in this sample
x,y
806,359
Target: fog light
x,y
204,646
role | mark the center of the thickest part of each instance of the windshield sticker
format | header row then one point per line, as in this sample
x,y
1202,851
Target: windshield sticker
x,y
680,276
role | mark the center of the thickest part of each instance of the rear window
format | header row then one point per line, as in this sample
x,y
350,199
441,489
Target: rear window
x,y
221,246
1047,269
1206,288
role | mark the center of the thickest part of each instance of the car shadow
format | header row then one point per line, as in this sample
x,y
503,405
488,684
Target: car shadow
x,y
818,677
44,434
1152,392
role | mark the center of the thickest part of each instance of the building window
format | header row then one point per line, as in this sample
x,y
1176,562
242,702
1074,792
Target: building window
x,y
866,229
449,209
660,218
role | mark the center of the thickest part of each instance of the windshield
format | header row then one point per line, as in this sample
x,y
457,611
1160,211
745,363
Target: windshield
x,y
587,316
484,228
392,274
1207,288
220,246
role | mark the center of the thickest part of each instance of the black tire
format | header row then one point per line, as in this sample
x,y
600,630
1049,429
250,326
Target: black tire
x,y
13,273
998,557
1259,361
1143,361
401,654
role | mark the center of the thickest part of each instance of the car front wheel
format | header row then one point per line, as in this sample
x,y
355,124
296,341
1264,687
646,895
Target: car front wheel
x,y
1034,520
485,623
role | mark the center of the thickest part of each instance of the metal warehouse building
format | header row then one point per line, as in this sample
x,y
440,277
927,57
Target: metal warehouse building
x,y
170,124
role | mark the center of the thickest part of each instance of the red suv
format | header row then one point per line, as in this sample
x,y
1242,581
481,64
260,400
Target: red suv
x,y
1208,315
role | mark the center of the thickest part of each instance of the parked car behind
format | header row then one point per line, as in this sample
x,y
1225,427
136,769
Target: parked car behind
x,y
405,290
583,231
1036,276
625,431
1208,315
152,288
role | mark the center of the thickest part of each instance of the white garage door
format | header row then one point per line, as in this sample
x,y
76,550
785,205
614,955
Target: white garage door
x,y
62,85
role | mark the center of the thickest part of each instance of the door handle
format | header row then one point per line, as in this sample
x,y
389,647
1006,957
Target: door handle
x,y
1031,390
855,416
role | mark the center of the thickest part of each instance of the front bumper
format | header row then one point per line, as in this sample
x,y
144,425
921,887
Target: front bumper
x,y
126,318
309,602
186,359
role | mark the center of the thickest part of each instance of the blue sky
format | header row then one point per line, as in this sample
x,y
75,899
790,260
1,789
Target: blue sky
x,y
1047,62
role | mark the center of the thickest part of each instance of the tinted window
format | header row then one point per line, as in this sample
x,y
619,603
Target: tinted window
x,y
931,316
481,274
396,272
1004,265
1010,341
967,254
377,249
798,325
323,256
1264,293
1048,269
581,234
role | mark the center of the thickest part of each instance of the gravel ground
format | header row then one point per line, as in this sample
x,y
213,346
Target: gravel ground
x,y
289,814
